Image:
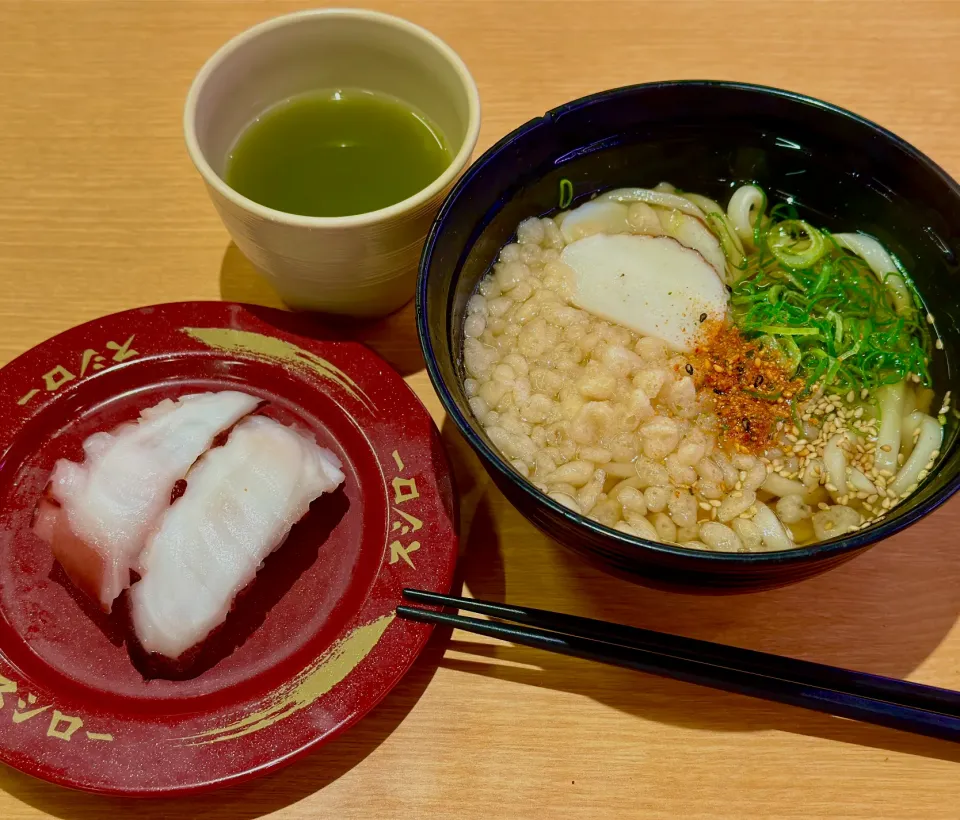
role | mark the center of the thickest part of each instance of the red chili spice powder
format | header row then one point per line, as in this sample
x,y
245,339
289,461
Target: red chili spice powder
x,y
751,391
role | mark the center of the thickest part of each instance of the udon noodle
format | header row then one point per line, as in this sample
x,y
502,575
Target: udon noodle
x,y
727,379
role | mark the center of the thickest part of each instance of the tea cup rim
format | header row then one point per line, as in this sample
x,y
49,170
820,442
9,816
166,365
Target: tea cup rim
x,y
421,197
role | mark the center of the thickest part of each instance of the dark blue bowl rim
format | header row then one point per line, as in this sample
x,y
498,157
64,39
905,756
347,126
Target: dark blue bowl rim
x,y
801,555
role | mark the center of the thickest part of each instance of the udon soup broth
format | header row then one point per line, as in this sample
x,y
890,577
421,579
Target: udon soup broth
x,y
728,379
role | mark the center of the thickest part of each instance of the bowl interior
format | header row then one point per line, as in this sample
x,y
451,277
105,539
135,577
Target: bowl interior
x,y
840,171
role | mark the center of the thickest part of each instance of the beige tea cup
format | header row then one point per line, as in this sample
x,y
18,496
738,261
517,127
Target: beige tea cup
x,y
362,265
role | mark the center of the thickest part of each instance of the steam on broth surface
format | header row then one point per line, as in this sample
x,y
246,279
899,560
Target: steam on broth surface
x,y
722,379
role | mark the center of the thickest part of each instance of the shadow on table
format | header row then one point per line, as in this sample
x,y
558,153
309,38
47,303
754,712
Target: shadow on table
x,y
678,703
884,612
259,797
394,337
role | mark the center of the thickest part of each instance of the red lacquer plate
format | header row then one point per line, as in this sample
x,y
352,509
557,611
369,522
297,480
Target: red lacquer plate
x,y
309,648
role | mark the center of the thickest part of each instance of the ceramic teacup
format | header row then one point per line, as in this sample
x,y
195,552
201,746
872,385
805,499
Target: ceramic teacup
x,y
361,265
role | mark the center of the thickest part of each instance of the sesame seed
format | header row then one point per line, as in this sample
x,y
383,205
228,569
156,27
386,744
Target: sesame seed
x,y
886,448
929,318
939,344
864,393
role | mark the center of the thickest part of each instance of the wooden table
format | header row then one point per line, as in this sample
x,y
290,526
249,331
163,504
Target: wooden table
x,y
100,210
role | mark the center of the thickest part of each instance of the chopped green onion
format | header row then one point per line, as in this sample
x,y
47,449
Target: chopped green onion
x,y
822,311
793,355
795,243
851,352
790,331
566,193
837,324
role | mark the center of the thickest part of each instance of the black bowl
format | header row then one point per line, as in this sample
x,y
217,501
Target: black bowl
x,y
842,172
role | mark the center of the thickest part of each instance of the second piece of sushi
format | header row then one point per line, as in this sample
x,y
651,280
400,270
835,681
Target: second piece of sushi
x,y
241,501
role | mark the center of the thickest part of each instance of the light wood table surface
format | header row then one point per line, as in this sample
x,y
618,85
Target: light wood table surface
x,y
101,210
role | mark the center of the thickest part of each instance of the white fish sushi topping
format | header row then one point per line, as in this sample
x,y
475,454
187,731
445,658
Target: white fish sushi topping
x,y
240,503
97,515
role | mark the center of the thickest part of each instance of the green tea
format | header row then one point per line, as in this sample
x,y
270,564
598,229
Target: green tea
x,y
336,153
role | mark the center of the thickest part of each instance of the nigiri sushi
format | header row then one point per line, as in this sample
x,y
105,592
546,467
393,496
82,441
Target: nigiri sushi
x,y
97,515
241,501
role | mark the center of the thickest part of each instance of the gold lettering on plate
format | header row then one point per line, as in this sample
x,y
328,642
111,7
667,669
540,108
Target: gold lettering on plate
x,y
404,489
73,723
90,355
124,351
56,378
413,522
7,687
398,551
307,687
56,730
20,715
90,361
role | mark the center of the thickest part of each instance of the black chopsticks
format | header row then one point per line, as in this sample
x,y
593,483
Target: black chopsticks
x,y
897,704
